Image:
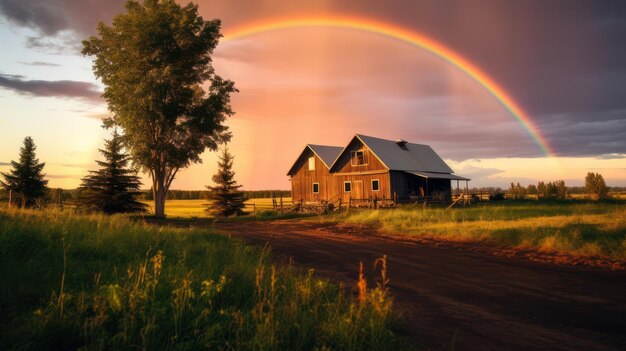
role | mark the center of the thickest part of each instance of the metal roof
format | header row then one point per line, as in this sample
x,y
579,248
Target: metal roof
x,y
326,153
410,157
438,175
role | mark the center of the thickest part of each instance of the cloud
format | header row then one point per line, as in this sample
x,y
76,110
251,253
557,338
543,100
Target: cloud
x,y
44,88
39,63
65,43
50,17
5,163
611,156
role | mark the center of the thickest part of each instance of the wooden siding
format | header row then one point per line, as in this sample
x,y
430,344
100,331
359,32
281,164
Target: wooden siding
x,y
303,179
344,164
331,185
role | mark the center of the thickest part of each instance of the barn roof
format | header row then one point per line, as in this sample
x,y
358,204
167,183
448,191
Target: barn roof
x,y
437,175
404,156
326,153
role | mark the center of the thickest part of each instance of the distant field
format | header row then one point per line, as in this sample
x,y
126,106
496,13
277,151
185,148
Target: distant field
x,y
572,227
196,208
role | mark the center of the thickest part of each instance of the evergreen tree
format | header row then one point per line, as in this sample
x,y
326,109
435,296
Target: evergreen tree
x,y
25,180
113,188
225,198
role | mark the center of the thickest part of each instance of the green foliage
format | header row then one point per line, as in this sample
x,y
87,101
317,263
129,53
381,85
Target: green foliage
x,y
552,190
225,198
497,196
112,188
531,189
132,286
595,186
517,191
153,61
25,179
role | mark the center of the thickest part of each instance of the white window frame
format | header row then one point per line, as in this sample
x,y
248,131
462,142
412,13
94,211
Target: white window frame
x,y
313,188
312,163
344,186
377,181
354,157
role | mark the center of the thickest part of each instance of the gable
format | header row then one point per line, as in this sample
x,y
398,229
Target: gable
x,y
410,157
324,157
357,157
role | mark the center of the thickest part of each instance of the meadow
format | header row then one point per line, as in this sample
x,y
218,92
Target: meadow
x,y
196,208
574,227
570,227
107,282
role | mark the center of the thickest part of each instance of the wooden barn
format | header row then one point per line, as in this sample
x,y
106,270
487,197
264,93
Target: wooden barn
x,y
371,168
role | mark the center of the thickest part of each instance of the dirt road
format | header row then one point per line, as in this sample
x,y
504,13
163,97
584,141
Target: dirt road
x,y
478,300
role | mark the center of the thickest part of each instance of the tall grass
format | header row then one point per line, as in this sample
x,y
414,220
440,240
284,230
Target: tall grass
x,y
99,282
597,229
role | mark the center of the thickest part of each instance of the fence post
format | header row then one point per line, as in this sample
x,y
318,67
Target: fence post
x,y
281,204
349,203
339,204
10,197
375,203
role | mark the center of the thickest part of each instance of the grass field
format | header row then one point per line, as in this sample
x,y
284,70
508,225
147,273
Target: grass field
x,y
572,227
196,208
97,282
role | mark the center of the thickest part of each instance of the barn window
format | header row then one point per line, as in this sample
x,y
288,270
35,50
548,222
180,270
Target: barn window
x,y
358,158
347,187
312,163
375,185
316,188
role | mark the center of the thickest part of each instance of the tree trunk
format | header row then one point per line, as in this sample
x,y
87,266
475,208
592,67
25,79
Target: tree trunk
x,y
159,203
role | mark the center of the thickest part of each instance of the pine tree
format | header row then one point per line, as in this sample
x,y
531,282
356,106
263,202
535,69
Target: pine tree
x,y
25,180
114,187
225,198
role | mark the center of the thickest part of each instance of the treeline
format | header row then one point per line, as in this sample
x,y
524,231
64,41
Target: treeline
x,y
595,187
64,195
201,194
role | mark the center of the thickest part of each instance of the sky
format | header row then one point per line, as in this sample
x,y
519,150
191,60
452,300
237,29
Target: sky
x,y
562,62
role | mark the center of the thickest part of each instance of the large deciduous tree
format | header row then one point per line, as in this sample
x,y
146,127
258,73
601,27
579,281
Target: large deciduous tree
x,y
114,187
226,197
153,61
595,186
26,179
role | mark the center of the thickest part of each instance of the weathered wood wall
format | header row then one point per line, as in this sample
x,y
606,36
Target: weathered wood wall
x,y
303,179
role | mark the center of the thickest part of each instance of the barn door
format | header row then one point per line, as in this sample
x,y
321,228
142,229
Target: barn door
x,y
357,189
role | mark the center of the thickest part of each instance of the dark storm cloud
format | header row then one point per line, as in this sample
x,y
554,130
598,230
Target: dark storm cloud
x,y
563,61
53,16
43,88
39,63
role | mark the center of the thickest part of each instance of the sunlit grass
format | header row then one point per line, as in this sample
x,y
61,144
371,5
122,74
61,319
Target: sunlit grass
x,y
566,227
127,285
196,208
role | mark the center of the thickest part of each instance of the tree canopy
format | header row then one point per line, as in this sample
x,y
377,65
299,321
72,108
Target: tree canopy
x,y
26,179
595,186
114,187
154,60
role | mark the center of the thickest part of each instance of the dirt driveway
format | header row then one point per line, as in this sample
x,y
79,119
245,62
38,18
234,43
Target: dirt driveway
x,y
448,293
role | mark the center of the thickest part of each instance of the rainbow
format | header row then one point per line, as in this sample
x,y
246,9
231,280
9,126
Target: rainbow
x,y
411,38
